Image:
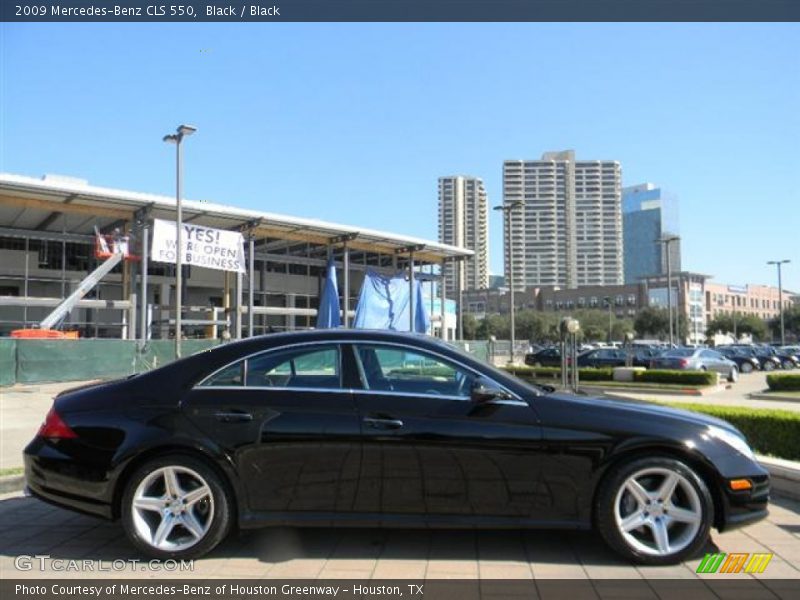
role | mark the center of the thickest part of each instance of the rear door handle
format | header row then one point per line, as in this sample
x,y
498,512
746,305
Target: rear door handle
x,y
233,416
383,423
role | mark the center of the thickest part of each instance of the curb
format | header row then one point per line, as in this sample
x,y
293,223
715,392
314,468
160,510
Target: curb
x,y
772,396
610,391
784,476
12,483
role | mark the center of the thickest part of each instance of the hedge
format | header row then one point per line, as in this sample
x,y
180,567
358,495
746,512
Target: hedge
x,y
769,431
666,376
784,382
586,374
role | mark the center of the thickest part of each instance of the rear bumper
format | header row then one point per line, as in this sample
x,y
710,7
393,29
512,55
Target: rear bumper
x,y
57,479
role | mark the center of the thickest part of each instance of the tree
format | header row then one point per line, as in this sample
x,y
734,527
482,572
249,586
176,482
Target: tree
x,y
652,322
743,325
469,326
791,323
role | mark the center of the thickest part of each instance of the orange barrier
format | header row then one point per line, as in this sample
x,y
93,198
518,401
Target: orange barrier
x,y
40,334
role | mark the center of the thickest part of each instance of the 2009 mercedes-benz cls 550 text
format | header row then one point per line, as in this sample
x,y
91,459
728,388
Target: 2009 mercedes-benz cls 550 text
x,y
366,428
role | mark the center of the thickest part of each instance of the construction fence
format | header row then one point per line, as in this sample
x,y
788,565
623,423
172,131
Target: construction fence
x,y
40,361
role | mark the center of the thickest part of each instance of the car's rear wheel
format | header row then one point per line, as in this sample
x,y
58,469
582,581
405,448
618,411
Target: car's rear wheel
x,y
733,376
769,366
787,364
176,507
654,511
747,367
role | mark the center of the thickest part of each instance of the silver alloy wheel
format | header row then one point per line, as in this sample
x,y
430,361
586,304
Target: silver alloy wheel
x,y
734,375
769,365
658,511
173,508
747,367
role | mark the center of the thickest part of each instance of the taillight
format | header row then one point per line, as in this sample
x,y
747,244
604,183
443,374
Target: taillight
x,y
54,427
683,362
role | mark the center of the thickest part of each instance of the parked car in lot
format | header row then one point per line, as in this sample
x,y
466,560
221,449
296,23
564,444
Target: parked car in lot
x,y
746,363
697,359
356,427
548,357
788,359
793,350
616,357
768,362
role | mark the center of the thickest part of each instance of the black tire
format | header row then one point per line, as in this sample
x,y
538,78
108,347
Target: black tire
x,y
221,514
733,376
606,519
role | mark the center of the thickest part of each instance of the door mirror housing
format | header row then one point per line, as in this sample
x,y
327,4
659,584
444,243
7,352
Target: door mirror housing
x,y
484,390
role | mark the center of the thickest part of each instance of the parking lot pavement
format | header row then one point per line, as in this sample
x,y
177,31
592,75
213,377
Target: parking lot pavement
x,y
30,527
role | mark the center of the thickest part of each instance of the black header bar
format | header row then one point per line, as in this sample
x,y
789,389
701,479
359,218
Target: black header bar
x,y
397,10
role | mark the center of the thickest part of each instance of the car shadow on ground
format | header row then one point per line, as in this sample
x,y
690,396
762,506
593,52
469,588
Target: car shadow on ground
x,y
30,527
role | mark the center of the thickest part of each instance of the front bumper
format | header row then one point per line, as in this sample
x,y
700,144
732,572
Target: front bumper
x,y
744,507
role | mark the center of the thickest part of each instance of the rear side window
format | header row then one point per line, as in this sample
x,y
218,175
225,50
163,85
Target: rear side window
x,y
316,367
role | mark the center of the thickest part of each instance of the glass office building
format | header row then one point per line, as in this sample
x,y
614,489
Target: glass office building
x,y
648,214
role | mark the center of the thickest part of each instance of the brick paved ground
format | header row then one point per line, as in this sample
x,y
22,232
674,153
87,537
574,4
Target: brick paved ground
x,y
29,527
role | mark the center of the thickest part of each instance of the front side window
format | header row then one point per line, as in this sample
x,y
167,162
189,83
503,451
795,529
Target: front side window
x,y
410,371
228,376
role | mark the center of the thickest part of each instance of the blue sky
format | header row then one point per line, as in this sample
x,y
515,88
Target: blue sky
x,y
355,122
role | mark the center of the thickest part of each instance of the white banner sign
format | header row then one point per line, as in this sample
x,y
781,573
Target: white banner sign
x,y
202,246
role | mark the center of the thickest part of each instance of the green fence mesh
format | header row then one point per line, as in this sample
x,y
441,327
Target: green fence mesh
x,y
8,361
39,361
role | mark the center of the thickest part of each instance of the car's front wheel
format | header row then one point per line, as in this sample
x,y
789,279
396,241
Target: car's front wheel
x,y
176,507
654,511
787,365
769,366
747,367
733,376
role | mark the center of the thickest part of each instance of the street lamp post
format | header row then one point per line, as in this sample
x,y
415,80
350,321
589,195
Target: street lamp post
x,y
607,301
667,241
507,212
778,264
177,139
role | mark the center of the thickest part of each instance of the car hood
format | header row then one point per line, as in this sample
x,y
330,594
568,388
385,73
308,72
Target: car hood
x,y
644,409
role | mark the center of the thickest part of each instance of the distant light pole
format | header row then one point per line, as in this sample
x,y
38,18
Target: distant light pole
x,y
507,212
778,264
177,138
667,241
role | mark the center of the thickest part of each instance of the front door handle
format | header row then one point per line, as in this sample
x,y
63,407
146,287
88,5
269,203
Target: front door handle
x,y
233,416
383,423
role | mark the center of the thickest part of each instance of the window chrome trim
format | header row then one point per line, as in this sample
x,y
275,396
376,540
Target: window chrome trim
x,y
339,348
278,388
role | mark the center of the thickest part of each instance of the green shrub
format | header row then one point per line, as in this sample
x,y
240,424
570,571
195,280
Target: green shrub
x,y
525,372
769,431
784,381
684,377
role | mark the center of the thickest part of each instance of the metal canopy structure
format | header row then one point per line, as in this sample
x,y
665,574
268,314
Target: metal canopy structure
x,y
66,210
24,201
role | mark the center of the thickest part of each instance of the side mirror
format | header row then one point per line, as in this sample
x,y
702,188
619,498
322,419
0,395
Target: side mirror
x,y
484,390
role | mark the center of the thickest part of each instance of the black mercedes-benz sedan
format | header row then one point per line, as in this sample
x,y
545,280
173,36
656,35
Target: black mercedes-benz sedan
x,y
367,428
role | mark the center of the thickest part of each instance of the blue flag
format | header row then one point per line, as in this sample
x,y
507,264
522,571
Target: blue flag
x,y
328,316
385,302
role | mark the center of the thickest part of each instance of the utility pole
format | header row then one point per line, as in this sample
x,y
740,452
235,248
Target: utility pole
x,y
778,264
507,210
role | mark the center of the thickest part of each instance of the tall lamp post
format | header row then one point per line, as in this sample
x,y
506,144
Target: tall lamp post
x,y
507,209
667,240
177,139
778,264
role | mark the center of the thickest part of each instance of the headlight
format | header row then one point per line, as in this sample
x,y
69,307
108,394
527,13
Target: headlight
x,y
733,440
